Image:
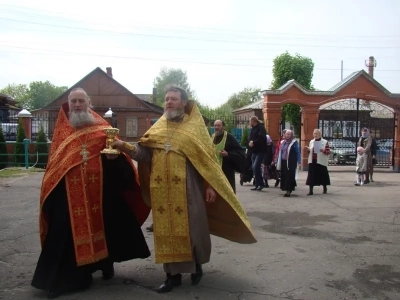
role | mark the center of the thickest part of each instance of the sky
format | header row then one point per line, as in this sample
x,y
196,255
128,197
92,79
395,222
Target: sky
x,y
224,46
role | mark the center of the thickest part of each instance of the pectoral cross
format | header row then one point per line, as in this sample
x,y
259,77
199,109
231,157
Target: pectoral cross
x,y
85,154
167,146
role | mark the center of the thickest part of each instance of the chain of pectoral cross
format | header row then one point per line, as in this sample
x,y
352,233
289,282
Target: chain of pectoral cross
x,y
84,152
167,145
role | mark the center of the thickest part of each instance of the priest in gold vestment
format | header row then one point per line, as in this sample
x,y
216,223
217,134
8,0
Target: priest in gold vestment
x,y
190,196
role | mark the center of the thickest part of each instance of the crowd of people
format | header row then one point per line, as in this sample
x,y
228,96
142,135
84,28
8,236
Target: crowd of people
x,y
92,205
281,162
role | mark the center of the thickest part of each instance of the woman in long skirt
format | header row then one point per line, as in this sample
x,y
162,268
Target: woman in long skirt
x,y
288,159
318,158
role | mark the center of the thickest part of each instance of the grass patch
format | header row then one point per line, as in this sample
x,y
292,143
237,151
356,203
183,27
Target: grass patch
x,y
17,172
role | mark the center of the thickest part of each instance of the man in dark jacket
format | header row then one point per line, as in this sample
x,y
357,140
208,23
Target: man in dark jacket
x,y
258,144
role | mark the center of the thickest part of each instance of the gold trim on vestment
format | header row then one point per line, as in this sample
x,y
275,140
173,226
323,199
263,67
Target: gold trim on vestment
x,y
169,202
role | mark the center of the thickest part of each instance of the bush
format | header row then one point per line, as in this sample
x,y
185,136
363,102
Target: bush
x,y
245,137
41,147
3,151
19,146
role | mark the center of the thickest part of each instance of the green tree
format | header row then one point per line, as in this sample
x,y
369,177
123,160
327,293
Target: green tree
x,y
299,68
3,151
172,76
42,93
19,146
20,93
35,95
245,97
245,136
41,148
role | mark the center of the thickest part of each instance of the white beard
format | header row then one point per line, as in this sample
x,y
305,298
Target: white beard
x,y
173,114
81,119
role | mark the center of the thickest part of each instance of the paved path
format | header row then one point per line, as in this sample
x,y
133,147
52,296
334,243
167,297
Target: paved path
x,y
342,245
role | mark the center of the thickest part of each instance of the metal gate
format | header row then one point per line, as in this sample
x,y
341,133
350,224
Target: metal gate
x,y
341,122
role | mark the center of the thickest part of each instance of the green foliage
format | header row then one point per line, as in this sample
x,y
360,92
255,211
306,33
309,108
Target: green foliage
x,y
171,76
299,68
245,136
3,151
291,113
35,95
42,93
20,93
19,146
245,97
41,147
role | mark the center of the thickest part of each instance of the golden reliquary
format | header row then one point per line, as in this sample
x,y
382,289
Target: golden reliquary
x,y
111,134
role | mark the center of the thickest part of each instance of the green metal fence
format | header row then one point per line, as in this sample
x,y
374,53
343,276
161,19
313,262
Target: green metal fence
x,y
29,158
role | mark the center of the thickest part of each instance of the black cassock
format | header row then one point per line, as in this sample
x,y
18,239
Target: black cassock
x,y
236,159
56,269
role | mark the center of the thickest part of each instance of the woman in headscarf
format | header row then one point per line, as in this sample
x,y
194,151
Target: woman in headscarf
x,y
318,158
288,159
267,170
365,141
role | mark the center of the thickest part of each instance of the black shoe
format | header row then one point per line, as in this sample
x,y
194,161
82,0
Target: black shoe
x,y
325,190
366,181
170,283
277,183
286,195
53,294
310,194
197,276
108,273
259,188
254,188
150,228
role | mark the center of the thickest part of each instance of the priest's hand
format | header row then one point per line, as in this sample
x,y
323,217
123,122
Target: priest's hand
x,y
211,195
223,153
118,144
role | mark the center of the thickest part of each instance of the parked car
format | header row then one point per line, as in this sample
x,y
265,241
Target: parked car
x,y
342,151
384,152
9,131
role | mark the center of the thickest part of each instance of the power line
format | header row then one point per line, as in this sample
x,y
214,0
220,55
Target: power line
x,y
199,39
214,49
53,52
209,29
202,31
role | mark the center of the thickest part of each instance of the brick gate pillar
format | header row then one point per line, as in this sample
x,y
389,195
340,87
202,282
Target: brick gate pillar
x,y
396,142
108,116
309,122
26,120
272,118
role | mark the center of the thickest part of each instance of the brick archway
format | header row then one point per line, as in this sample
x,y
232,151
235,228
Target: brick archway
x,y
358,85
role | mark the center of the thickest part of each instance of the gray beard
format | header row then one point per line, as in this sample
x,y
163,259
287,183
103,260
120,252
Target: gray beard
x,y
170,115
81,119
218,133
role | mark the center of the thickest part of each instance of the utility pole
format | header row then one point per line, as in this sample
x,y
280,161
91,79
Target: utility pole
x,y
341,69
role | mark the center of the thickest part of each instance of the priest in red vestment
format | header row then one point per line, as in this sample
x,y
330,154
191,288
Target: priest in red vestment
x,y
91,208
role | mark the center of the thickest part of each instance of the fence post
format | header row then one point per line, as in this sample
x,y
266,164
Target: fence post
x,y
26,147
108,116
26,119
